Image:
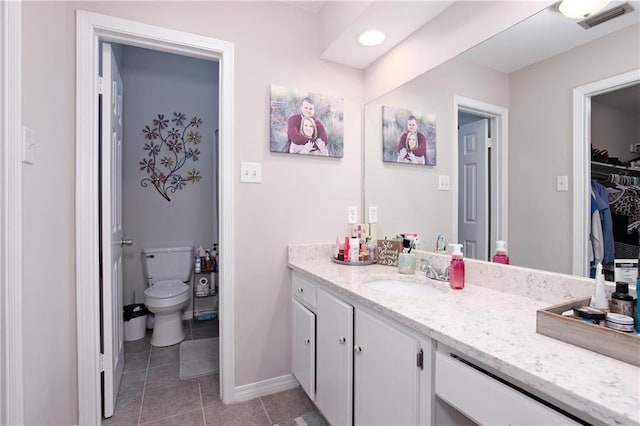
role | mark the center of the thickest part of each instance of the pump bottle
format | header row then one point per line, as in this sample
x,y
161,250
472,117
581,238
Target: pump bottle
x,y
501,253
599,297
456,268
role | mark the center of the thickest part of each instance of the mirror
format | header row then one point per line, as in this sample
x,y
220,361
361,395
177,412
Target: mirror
x,y
521,84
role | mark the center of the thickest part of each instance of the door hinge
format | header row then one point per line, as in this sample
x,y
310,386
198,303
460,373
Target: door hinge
x,y
100,85
489,143
100,363
420,359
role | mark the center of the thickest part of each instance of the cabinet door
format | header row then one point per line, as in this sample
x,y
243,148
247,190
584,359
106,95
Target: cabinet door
x,y
334,362
304,347
386,373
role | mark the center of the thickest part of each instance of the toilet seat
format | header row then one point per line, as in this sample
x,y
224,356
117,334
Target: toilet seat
x,y
167,289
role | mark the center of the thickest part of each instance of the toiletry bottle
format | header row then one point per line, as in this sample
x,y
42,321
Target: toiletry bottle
x,y
196,264
501,253
456,269
354,246
347,251
621,301
599,298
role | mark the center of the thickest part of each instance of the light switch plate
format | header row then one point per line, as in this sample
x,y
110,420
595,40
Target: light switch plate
x,y
443,183
373,214
352,214
250,172
28,145
562,183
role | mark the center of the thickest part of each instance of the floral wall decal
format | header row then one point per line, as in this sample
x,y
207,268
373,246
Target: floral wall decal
x,y
168,151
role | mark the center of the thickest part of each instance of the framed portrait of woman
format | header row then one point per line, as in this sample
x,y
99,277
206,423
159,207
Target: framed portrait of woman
x,y
408,136
306,123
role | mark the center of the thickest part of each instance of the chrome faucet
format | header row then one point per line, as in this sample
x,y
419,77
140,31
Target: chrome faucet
x,y
433,272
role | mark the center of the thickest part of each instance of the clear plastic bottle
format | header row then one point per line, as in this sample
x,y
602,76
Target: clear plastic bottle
x,y
599,297
456,269
501,253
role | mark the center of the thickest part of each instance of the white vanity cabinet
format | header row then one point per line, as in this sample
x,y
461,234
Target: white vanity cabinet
x,y
304,334
487,399
368,369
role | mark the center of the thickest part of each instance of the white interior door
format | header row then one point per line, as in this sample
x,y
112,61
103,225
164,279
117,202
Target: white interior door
x,y
473,189
111,228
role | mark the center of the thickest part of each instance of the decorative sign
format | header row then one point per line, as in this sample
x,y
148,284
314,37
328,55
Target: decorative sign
x,y
388,252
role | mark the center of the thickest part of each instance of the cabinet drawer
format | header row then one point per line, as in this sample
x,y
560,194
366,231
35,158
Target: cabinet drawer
x,y
485,399
304,290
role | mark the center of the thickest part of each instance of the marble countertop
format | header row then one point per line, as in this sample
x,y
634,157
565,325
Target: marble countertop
x,y
495,327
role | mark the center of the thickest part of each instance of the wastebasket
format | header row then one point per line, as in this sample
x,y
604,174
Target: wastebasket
x,y
135,321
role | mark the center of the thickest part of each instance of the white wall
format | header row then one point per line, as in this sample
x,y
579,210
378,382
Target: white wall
x,y
162,83
300,199
614,129
541,123
407,196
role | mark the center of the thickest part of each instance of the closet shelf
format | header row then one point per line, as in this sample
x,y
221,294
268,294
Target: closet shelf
x,y
631,171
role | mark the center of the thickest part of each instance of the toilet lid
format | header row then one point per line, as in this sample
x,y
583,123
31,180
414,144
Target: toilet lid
x,y
166,289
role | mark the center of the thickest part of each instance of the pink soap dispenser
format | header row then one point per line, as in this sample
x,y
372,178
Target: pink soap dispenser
x,y
456,268
501,253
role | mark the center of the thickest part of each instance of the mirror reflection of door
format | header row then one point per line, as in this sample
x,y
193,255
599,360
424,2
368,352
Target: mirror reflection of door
x,y
474,185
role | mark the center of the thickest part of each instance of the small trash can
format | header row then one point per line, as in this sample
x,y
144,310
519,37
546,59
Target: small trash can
x,y
135,321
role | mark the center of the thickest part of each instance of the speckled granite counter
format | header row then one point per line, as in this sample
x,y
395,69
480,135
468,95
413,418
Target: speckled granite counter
x,y
493,321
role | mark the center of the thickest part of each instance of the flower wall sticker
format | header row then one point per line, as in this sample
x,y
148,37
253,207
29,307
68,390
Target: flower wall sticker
x,y
168,150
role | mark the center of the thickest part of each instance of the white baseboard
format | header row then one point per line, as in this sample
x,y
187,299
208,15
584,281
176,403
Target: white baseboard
x,y
265,387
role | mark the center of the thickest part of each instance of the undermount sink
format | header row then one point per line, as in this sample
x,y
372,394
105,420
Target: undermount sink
x,y
405,288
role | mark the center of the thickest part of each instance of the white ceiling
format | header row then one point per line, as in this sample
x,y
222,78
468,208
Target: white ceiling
x,y
541,36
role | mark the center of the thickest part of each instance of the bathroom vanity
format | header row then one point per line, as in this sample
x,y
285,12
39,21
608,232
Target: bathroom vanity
x,y
374,346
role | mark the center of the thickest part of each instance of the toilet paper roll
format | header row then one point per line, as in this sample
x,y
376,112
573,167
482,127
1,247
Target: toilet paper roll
x,y
203,281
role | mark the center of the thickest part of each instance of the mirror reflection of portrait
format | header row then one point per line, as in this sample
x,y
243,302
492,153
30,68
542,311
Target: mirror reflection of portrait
x,y
306,123
408,137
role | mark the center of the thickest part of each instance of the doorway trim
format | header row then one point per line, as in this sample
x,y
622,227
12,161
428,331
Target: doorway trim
x,y
499,158
91,28
582,161
11,305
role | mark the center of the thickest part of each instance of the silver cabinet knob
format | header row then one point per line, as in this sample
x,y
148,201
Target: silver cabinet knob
x,y
357,349
126,242
342,340
300,290
307,341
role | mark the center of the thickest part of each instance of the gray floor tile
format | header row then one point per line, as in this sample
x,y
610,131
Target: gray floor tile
x,y
139,345
164,356
132,382
126,412
243,413
136,361
163,376
287,405
313,418
192,418
160,403
210,389
205,332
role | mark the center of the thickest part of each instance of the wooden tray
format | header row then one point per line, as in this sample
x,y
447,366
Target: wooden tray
x,y
616,344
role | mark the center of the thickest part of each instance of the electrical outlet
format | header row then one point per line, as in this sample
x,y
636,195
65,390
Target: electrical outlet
x,y
373,214
352,214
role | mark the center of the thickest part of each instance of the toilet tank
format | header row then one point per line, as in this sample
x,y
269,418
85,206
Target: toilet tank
x,y
172,263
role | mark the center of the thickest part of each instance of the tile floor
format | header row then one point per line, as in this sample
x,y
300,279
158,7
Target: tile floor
x,y
151,392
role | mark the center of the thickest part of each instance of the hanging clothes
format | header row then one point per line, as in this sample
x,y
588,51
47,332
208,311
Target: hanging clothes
x,y
601,195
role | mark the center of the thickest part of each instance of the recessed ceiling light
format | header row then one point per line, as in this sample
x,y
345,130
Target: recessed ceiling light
x,y
579,9
371,38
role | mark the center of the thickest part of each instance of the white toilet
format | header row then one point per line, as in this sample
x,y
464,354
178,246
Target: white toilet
x,y
167,272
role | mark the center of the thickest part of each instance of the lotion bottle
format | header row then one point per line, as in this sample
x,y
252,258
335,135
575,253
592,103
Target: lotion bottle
x,y
456,269
599,298
501,253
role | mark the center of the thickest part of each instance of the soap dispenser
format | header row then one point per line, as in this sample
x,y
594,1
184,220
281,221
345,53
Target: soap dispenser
x,y
599,298
456,269
501,253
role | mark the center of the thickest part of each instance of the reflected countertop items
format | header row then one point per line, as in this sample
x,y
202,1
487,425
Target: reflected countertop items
x,y
494,324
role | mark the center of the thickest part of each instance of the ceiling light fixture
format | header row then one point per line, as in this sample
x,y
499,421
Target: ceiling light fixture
x,y
371,38
579,9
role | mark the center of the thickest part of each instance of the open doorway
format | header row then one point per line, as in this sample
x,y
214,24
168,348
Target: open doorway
x,y
481,172
92,29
